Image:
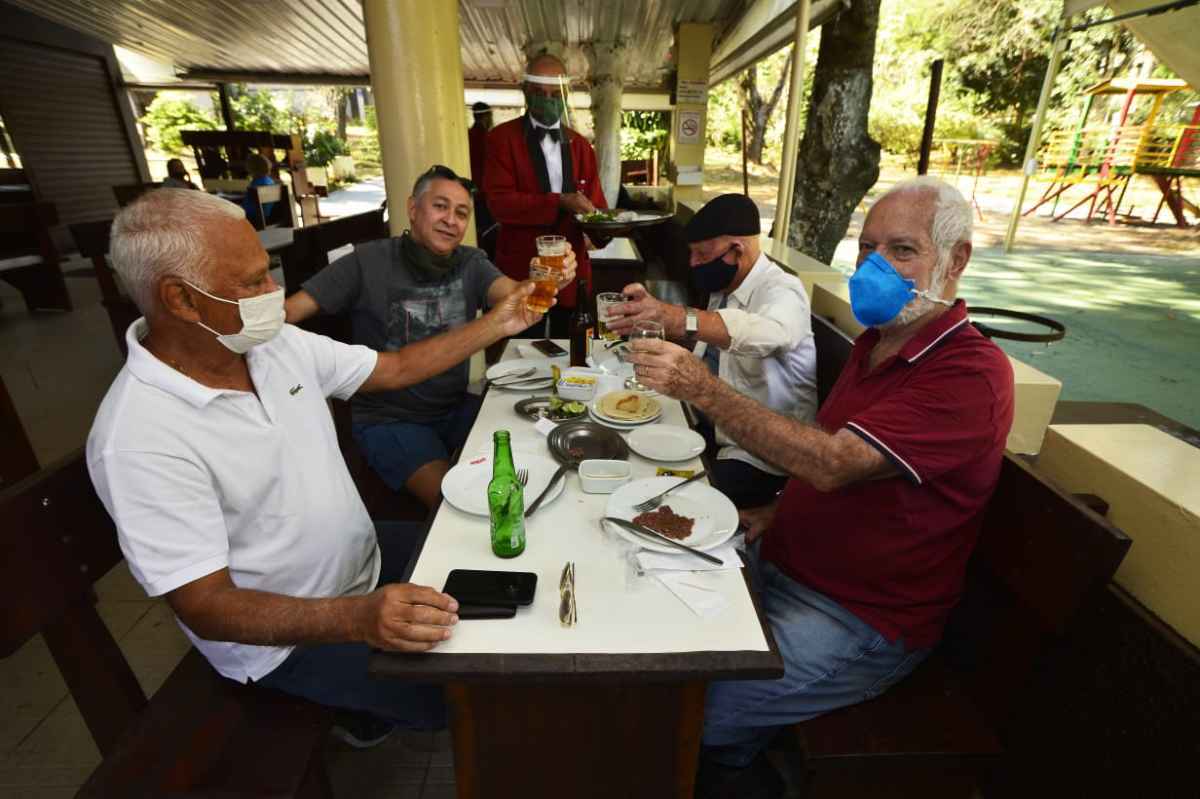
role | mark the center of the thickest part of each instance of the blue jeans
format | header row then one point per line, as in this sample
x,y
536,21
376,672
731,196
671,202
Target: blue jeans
x,y
831,659
395,450
335,675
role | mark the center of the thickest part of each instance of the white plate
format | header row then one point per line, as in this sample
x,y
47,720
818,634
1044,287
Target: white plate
x,y
666,442
716,517
622,427
594,407
465,486
541,365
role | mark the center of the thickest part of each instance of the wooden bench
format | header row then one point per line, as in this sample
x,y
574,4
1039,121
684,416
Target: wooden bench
x,y
1043,555
91,239
200,735
28,258
17,459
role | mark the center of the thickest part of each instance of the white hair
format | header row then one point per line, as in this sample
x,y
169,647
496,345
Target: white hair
x,y
160,235
952,220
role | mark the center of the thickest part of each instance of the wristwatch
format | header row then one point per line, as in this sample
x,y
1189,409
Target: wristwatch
x,y
691,324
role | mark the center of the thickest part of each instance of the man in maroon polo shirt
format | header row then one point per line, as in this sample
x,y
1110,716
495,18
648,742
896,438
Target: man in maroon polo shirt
x,y
864,553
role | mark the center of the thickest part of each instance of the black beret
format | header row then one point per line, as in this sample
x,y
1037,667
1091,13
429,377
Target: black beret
x,y
727,215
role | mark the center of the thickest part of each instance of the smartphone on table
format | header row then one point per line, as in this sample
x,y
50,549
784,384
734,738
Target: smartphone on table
x,y
548,348
490,594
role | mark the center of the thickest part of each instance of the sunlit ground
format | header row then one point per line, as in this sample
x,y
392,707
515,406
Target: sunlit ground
x,y
1128,294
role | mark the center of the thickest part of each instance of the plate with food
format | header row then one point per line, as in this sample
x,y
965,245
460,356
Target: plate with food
x,y
612,219
521,374
551,407
697,514
627,407
581,440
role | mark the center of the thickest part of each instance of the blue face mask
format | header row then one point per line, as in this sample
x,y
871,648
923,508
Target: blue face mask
x,y
878,292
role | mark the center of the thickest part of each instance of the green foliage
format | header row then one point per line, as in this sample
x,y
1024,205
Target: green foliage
x,y
255,109
323,147
642,133
167,116
372,118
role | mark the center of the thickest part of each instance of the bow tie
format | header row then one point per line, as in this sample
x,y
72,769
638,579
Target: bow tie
x,y
553,133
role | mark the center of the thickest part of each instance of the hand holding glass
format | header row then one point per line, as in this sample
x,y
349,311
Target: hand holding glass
x,y
641,331
604,304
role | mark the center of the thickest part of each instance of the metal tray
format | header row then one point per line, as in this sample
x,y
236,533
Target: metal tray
x,y
530,406
580,440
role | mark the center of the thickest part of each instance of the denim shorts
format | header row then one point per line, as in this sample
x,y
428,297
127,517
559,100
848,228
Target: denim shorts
x,y
396,450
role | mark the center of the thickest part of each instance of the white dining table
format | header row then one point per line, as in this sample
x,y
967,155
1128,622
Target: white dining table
x,y
619,611
617,699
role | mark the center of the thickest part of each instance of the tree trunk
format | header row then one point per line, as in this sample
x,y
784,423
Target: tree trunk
x,y
838,160
340,100
760,110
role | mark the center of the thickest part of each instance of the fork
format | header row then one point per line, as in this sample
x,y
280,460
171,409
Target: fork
x,y
523,476
657,499
519,376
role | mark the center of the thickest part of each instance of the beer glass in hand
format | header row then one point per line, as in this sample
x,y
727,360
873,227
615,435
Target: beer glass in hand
x,y
641,331
546,272
604,303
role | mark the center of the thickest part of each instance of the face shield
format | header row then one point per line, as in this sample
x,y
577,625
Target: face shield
x,y
547,98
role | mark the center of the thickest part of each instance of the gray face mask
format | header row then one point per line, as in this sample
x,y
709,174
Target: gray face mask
x,y
262,319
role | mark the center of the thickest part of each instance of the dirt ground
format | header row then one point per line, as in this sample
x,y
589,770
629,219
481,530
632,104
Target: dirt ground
x,y
1129,293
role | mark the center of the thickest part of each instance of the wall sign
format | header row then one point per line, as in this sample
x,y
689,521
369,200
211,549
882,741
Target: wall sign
x,y
691,127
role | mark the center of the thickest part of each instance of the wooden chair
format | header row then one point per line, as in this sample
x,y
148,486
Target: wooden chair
x,y
91,238
640,171
17,459
1042,556
126,194
28,258
279,199
200,735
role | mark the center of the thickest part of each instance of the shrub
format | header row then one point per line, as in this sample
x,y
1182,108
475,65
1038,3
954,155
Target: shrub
x,y
167,116
323,147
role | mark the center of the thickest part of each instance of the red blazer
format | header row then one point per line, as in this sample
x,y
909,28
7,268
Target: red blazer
x,y
518,195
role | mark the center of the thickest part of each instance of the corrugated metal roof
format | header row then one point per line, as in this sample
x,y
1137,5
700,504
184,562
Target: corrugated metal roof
x,y
326,37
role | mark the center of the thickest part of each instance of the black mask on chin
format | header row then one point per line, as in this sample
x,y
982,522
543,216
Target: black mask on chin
x,y
715,275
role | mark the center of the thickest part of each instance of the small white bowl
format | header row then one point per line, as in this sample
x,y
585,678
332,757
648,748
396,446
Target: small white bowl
x,y
602,476
577,384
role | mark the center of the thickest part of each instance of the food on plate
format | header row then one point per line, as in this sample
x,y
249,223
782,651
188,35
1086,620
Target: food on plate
x,y
628,406
665,521
599,215
560,409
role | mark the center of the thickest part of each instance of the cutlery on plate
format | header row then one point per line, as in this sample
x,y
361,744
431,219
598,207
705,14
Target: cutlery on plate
x,y
515,376
557,475
648,533
657,499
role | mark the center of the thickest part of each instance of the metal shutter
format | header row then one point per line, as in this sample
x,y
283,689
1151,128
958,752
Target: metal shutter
x,y
59,108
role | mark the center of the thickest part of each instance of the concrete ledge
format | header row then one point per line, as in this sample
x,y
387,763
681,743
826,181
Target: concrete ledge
x,y
1151,481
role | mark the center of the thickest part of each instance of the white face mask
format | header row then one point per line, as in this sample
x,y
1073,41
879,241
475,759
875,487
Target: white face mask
x,y
262,319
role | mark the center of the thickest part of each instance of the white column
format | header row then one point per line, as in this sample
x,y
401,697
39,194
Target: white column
x,y
608,62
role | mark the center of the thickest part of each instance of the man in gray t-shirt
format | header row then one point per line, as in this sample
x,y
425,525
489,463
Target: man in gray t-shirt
x,y
402,290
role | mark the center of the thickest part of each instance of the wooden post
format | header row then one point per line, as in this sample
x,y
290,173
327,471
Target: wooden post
x,y
226,108
935,90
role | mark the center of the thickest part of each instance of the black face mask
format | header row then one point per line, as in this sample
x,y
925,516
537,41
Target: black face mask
x,y
426,265
715,275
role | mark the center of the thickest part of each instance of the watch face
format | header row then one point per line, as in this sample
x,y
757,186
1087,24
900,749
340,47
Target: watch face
x,y
691,322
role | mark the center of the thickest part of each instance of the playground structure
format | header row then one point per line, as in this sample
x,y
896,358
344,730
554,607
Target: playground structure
x,y
1104,159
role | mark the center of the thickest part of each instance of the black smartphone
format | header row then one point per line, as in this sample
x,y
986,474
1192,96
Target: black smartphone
x,y
487,611
548,348
477,587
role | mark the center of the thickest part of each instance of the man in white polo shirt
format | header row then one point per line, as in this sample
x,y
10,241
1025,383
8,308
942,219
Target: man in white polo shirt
x,y
215,453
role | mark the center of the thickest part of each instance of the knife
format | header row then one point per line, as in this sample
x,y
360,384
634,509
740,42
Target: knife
x,y
537,503
633,527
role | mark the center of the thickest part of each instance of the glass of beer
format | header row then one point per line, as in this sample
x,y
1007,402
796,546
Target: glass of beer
x,y
545,286
604,302
552,251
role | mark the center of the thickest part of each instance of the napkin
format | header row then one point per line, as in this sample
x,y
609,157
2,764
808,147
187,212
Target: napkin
x,y
687,562
704,602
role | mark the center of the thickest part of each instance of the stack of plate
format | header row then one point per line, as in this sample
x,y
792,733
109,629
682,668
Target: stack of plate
x,y
600,410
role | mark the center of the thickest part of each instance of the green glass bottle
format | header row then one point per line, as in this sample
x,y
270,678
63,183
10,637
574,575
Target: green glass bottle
x,y
506,501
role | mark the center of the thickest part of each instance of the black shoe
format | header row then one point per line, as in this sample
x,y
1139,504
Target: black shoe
x,y
759,780
361,730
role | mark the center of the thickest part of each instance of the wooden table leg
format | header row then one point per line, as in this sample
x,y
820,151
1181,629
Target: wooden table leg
x,y
587,740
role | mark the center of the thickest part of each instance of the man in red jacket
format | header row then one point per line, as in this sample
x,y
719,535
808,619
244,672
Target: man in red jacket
x,y
539,175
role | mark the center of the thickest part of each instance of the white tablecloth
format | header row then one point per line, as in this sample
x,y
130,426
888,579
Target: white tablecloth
x,y
619,612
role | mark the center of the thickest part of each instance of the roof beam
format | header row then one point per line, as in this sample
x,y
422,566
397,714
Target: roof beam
x,y
767,26
295,78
